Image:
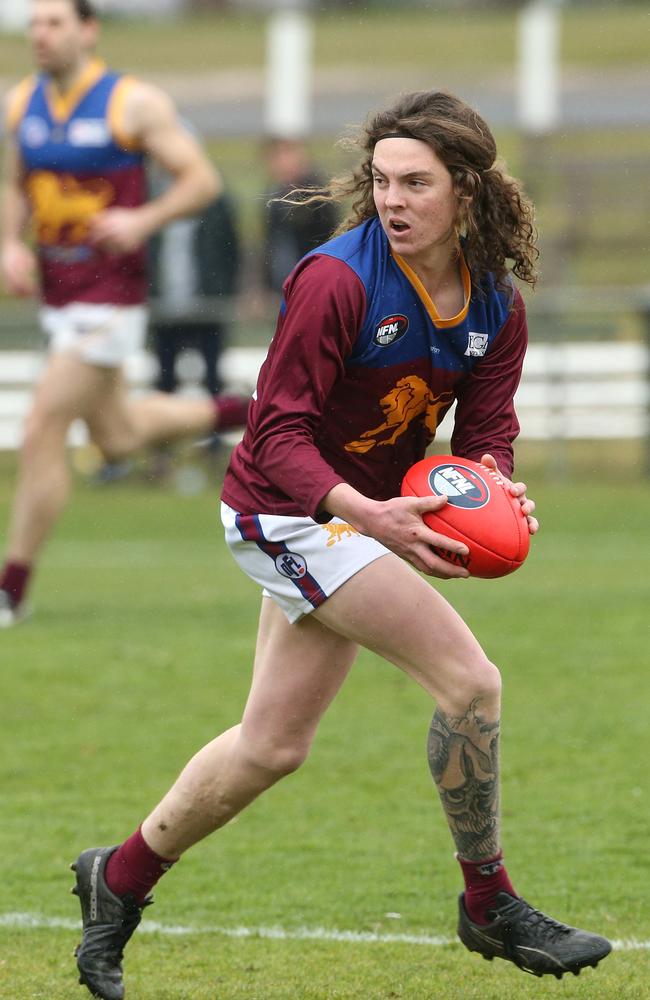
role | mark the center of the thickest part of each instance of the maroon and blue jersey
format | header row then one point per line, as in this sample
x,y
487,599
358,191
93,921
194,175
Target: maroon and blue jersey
x,y
77,162
360,373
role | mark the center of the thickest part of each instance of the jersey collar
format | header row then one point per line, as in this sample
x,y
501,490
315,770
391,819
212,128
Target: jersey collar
x,y
428,302
62,105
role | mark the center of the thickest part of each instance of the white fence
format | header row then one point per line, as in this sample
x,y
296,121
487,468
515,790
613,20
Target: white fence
x,y
574,390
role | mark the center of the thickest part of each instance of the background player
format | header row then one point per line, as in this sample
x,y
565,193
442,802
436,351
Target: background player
x,y
312,512
78,139
291,230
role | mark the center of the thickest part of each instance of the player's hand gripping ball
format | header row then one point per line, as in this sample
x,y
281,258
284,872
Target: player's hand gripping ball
x,y
480,511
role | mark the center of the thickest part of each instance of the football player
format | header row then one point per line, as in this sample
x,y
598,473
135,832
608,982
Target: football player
x,y
78,137
411,307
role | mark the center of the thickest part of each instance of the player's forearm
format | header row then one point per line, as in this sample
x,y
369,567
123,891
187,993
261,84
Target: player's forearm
x,y
188,195
15,215
347,503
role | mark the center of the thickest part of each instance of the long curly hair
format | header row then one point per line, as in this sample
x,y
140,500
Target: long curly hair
x,y
495,217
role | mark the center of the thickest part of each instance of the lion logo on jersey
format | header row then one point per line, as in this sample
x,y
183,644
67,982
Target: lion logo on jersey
x,y
410,398
63,207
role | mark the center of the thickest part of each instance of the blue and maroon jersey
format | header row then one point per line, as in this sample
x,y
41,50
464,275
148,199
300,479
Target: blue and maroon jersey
x,y
361,371
77,162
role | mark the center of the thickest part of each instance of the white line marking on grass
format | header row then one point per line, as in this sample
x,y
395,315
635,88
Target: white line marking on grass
x,y
34,921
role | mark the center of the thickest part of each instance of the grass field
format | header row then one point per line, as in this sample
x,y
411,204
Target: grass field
x,y
140,651
598,36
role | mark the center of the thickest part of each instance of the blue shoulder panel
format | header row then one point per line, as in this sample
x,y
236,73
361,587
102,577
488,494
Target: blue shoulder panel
x,y
398,328
83,143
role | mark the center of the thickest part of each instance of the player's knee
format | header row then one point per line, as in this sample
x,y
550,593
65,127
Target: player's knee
x,y
116,440
111,446
285,758
488,680
288,759
278,757
478,681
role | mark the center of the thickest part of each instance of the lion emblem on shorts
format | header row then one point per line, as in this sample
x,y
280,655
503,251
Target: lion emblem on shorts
x,y
406,401
338,532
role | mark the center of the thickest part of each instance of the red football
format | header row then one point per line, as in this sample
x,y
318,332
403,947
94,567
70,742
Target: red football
x,y
479,511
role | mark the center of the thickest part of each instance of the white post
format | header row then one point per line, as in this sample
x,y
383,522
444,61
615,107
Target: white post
x,y
538,69
288,74
13,15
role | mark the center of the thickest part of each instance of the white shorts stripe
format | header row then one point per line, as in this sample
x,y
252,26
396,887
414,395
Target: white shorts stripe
x,y
298,562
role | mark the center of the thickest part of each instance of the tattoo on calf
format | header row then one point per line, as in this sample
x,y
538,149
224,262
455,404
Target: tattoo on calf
x,y
464,761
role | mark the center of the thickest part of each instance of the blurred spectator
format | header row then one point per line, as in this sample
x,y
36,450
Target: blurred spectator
x,y
291,231
194,271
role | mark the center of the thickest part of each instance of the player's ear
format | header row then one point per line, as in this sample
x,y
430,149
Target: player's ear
x,y
90,31
466,183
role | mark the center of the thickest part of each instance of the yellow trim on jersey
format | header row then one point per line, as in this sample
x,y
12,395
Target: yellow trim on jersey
x,y
62,105
18,101
428,301
115,114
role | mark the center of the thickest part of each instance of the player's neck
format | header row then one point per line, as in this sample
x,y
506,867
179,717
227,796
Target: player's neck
x,y
442,279
67,79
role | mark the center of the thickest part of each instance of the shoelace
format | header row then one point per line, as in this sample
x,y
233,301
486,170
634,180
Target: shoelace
x,y
536,917
531,916
133,909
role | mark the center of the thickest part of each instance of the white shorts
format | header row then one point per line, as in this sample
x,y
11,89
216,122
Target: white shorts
x,y
298,562
103,335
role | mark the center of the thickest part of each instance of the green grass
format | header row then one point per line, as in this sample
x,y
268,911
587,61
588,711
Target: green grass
x,y
140,651
596,37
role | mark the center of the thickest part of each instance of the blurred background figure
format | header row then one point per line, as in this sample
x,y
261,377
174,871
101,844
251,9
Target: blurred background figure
x,y
194,270
291,231
194,277
79,139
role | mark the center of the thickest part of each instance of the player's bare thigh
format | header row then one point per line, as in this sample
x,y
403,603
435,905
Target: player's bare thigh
x,y
70,387
298,670
110,422
388,608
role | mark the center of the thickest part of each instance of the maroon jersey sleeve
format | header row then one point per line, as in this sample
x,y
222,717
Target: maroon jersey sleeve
x,y
323,309
485,419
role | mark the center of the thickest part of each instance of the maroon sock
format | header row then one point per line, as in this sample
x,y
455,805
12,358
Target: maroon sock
x,y
135,868
483,880
14,579
231,411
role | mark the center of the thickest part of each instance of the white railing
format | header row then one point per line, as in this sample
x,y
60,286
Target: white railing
x,y
568,391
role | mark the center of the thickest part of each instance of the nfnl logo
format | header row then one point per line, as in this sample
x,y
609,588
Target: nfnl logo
x,y
291,564
461,486
391,329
